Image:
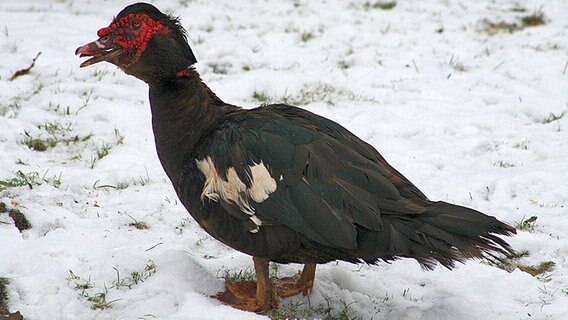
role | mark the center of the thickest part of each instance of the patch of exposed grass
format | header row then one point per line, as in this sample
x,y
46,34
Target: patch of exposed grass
x,y
149,270
457,65
553,117
237,275
20,180
118,136
136,277
326,310
512,262
51,134
383,5
343,65
261,97
39,144
98,297
122,185
141,180
246,274
102,151
528,224
139,225
98,300
534,19
492,27
503,164
306,36
537,18
536,270
11,107
30,180
320,92
523,145
104,148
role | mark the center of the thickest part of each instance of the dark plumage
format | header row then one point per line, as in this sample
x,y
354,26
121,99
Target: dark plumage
x,y
278,182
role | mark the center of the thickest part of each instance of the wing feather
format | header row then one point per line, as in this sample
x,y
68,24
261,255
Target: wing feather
x,y
329,183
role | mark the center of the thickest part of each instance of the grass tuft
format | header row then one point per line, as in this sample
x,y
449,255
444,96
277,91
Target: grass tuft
x,y
56,133
528,224
246,274
537,18
136,277
99,297
383,5
261,97
319,92
553,117
118,136
512,262
30,180
104,149
149,270
534,19
306,36
491,27
99,301
536,270
503,164
327,310
457,65
139,225
237,276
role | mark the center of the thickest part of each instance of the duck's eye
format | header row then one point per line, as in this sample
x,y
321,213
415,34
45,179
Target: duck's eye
x,y
136,24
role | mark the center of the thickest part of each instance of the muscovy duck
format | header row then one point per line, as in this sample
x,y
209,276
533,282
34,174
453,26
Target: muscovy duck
x,y
278,182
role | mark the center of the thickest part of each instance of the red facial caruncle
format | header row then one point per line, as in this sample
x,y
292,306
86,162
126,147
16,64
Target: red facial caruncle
x,y
132,31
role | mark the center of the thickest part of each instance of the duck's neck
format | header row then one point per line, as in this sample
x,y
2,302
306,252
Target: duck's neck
x,y
184,109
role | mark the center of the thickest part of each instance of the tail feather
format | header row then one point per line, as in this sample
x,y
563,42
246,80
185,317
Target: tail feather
x,y
443,233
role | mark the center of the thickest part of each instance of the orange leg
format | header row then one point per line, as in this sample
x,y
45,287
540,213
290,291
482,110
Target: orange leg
x,y
264,294
266,298
248,295
291,286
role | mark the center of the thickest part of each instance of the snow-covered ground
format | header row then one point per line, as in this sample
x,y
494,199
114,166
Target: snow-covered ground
x,y
472,115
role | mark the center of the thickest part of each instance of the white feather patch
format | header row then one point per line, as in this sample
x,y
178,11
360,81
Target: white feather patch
x,y
234,190
262,183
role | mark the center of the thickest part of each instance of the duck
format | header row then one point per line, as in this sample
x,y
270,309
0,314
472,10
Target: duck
x,y
278,182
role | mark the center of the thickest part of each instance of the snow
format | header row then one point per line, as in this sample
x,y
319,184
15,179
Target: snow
x,y
467,115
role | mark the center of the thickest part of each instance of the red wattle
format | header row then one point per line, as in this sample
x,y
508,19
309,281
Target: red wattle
x,y
103,32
